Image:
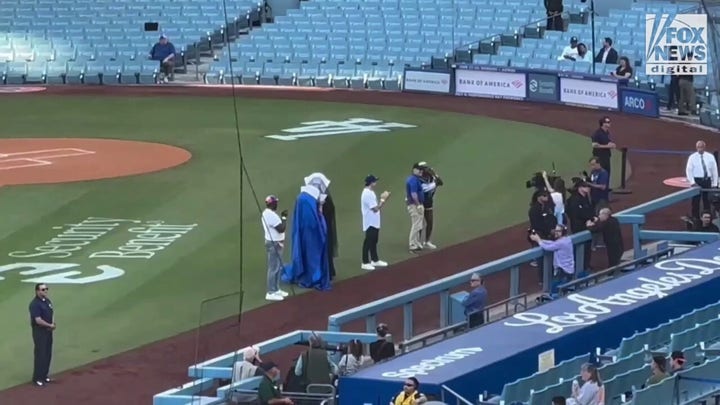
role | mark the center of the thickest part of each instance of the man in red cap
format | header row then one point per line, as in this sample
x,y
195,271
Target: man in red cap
x,y
274,226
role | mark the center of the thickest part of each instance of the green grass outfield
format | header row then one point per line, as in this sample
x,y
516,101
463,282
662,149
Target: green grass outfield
x,y
485,163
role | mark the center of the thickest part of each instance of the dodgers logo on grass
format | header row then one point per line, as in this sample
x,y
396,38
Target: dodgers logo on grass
x,y
676,44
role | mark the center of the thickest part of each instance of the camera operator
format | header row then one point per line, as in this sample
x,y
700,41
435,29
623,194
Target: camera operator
x,y
430,181
563,253
542,219
557,194
580,210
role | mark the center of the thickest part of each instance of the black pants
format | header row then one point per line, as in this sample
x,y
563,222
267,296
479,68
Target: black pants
x,y
476,319
429,219
704,183
43,340
614,254
369,251
673,92
555,22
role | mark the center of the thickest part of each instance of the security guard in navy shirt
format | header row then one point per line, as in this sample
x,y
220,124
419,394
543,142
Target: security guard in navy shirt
x,y
42,322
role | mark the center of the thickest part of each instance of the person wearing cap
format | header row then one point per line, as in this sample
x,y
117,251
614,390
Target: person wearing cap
x,y
570,52
164,52
474,302
579,210
602,144
415,199
430,182
274,226
249,366
370,208
268,391
563,254
310,265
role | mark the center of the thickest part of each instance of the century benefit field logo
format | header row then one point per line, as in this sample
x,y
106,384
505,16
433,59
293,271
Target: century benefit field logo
x,y
673,274
145,240
676,44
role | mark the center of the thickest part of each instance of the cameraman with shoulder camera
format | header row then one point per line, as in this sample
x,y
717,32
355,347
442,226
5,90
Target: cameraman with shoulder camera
x,y
274,226
542,219
430,182
580,210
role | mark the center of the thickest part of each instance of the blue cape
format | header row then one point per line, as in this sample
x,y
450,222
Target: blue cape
x,y
309,267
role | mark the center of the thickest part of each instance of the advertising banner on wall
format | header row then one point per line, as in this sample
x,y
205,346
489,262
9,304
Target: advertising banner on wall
x,y
542,87
589,93
427,81
640,102
491,84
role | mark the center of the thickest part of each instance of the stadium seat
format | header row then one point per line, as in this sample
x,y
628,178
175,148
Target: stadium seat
x,y
56,72
36,72
15,73
149,71
111,73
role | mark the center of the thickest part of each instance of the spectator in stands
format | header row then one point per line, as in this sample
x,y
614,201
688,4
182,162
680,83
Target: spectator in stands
x,y
315,366
659,370
248,367
410,394
677,362
563,253
570,51
164,52
554,9
705,224
430,182
558,195
382,348
607,54
624,70
686,103
609,227
558,401
701,171
583,55
580,211
542,218
474,302
353,360
268,391
599,184
589,392
602,143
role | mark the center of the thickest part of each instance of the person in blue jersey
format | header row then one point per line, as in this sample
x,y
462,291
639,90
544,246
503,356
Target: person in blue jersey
x,y
310,266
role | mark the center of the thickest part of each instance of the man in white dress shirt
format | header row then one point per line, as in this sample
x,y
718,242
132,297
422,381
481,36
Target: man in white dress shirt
x,y
701,171
370,208
274,226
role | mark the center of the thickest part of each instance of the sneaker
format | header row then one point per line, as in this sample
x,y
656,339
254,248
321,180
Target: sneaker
x,y
379,263
282,293
274,296
166,80
48,380
38,383
367,266
430,245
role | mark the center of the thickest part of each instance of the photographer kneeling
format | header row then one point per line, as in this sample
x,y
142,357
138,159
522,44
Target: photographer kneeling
x,y
563,254
542,219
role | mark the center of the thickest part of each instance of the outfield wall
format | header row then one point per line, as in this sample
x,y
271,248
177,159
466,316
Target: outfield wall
x,y
568,88
676,293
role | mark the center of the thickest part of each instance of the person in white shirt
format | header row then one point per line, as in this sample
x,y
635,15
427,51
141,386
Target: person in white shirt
x,y
570,51
557,194
592,390
370,209
701,171
274,226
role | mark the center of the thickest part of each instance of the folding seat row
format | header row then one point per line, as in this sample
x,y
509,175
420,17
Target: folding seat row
x,y
80,72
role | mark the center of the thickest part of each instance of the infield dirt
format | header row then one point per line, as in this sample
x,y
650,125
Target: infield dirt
x,y
134,376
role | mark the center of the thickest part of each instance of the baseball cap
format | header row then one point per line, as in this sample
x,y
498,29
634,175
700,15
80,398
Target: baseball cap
x,y
420,165
163,36
370,179
271,199
475,277
573,39
267,365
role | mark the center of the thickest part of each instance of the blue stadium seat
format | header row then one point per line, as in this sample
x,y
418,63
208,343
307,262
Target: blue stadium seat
x,y
56,72
15,73
131,71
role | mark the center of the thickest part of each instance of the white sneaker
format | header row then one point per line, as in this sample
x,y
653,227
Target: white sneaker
x,y
430,245
274,297
379,263
282,293
367,266
166,80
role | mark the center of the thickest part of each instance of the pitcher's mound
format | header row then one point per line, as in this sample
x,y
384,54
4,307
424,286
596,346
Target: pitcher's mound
x,y
62,160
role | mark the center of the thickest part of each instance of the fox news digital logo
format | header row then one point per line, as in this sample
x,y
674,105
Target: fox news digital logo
x,y
676,44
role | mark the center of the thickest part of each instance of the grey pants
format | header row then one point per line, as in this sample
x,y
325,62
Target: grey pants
x,y
274,252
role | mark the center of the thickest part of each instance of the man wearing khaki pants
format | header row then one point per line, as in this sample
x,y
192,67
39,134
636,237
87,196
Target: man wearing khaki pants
x,y
414,198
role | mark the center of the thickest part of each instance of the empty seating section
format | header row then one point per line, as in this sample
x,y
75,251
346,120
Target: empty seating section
x,y
626,368
88,38
353,40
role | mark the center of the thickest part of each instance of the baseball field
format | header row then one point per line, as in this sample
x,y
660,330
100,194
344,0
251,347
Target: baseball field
x,y
129,208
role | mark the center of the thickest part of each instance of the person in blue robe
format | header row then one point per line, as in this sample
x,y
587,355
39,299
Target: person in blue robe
x,y
310,266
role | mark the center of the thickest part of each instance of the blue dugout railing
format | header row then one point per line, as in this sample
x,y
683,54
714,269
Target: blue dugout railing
x,y
206,374
634,216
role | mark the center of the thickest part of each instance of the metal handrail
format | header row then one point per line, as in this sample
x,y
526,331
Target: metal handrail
x,y
458,398
585,281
